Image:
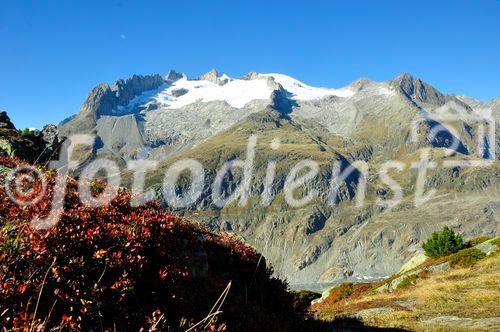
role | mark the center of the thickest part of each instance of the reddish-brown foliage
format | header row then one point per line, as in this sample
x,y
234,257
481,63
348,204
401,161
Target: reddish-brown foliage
x,y
124,268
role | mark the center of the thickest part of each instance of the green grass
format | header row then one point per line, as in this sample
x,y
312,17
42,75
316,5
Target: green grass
x,y
467,257
496,242
479,240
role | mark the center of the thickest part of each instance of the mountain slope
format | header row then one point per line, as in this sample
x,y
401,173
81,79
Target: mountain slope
x,y
324,243
211,119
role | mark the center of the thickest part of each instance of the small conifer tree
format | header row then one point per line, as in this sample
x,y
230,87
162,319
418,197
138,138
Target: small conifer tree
x,y
443,243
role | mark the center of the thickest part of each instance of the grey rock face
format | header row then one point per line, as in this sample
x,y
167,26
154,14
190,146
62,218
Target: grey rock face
x,y
6,148
103,100
125,91
100,100
120,134
166,131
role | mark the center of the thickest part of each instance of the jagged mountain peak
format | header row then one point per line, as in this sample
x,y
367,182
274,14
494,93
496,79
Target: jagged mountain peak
x,y
250,75
215,77
361,83
417,90
173,76
211,76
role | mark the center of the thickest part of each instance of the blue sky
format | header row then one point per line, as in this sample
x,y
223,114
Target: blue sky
x,y
52,54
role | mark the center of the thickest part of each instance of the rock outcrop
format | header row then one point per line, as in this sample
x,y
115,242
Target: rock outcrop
x,y
36,146
5,122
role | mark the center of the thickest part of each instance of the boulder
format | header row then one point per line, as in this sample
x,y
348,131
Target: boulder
x,y
487,247
51,141
6,148
443,267
179,92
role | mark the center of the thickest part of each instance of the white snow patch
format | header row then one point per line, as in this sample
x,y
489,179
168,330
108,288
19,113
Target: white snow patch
x,y
236,93
224,77
382,91
302,91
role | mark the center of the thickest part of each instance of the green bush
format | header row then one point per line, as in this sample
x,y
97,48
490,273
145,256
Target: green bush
x,y
26,132
443,243
467,257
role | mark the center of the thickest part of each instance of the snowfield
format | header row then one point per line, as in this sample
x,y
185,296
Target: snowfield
x,y
235,92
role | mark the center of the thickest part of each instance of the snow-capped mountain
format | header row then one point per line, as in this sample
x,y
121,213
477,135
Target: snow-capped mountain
x,y
172,113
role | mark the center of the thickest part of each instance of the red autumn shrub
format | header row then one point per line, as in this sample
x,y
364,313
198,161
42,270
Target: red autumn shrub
x,y
123,268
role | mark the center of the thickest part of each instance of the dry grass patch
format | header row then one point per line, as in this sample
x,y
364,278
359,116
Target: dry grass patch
x,y
472,292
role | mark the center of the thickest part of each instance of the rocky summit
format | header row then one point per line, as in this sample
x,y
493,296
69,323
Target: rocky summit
x,y
211,118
